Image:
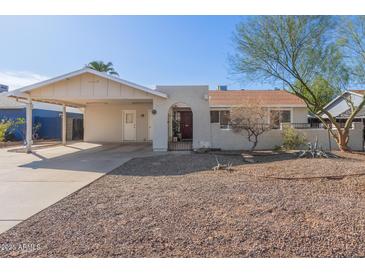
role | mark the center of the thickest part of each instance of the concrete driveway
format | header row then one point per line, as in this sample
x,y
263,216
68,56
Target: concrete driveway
x,y
31,182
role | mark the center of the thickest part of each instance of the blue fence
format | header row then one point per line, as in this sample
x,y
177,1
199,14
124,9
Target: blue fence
x,y
51,122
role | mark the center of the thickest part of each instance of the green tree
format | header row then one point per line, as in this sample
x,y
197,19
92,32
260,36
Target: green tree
x,y
103,67
4,127
322,90
302,53
352,39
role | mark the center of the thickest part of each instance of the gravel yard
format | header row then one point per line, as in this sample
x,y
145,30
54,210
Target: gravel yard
x,y
176,206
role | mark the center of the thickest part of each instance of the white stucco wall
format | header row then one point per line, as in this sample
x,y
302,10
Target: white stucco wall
x,y
103,122
193,96
355,141
204,133
300,115
228,140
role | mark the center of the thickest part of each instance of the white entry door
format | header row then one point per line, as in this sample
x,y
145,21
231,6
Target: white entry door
x,y
150,125
129,125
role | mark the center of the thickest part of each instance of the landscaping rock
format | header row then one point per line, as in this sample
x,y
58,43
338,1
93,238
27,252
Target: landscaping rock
x,y
182,208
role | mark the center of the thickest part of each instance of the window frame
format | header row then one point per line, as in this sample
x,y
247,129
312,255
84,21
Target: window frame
x,y
280,109
129,121
224,126
218,112
221,126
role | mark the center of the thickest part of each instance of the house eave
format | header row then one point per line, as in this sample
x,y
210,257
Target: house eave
x,y
53,102
338,97
27,89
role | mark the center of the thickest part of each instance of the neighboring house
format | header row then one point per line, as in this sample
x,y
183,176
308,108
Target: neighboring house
x,y
339,107
171,117
50,120
4,88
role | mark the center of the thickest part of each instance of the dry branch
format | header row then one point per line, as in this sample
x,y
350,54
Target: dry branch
x,y
219,166
315,151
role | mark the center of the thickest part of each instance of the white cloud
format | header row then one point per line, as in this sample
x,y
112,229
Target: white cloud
x,y
18,79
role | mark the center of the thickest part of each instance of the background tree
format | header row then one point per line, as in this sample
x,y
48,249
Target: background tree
x,y
352,39
102,67
4,128
250,118
302,53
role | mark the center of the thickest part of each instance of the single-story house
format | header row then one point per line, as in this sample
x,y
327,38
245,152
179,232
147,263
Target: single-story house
x,y
170,117
48,119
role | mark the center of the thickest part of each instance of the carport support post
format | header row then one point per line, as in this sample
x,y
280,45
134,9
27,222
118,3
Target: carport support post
x,y
29,126
64,118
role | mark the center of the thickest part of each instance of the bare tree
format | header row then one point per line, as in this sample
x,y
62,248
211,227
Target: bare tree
x,y
250,118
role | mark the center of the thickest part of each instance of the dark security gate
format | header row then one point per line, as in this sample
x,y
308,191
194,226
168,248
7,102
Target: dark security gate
x,y
77,129
181,146
180,121
186,125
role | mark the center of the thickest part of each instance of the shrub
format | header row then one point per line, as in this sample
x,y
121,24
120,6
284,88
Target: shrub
x,y
292,139
277,148
4,127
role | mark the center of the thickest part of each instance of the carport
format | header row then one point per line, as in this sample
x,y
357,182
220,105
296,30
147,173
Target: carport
x,y
115,110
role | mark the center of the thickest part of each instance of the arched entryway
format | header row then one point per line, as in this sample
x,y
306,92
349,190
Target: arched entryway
x,y
180,125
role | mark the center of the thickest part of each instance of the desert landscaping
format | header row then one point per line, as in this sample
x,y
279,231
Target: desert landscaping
x,y
175,205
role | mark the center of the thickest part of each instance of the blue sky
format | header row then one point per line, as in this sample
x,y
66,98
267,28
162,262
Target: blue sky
x,y
147,50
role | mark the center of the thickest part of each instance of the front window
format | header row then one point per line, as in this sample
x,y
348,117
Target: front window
x,y
279,116
224,118
220,116
214,116
129,118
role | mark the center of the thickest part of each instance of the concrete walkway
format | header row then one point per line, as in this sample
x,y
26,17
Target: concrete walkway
x,y
31,182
